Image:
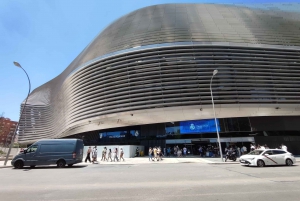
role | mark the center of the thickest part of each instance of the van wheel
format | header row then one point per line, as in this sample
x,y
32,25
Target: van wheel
x,y
70,165
19,164
61,163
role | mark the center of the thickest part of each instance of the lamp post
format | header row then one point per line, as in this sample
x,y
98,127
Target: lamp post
x,y
212,100
13,137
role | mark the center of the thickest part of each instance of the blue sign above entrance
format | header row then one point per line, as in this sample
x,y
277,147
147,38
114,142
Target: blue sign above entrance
x,y
199,126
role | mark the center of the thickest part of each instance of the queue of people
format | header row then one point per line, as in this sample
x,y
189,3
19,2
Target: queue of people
x,y
107,155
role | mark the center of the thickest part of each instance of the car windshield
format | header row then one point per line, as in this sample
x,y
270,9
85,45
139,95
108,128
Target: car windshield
x,y
255,152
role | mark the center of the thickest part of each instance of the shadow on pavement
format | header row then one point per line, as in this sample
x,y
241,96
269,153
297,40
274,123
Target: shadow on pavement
x,y
51,167
269,166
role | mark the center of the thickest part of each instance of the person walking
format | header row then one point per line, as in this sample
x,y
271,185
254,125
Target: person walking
x,y
252,147
201,151
109,155
121,154
242,151
94,154
245,149
169,151
116,155
150,153
238,151
104,154
184,151
155,153
88,154
283,147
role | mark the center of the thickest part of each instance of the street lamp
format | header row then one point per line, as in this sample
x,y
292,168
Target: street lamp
x,y
13,137
212,100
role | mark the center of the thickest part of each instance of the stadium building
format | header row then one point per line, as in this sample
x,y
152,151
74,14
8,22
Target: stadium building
x,y
145,80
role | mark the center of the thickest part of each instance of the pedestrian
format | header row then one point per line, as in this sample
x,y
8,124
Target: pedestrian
x,y
242,151
94,154
266,146
283,147
150,153
179,153
109,155
88,154
245,149
121,154
155,153
184,151
160,153
169,151
239,151
175,150
103,154
201,151
116,155
252,147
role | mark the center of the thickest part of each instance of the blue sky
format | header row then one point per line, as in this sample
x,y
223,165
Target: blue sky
x,y
45,36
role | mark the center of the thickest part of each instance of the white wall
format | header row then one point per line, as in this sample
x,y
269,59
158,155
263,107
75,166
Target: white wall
x,y
129,150
13,151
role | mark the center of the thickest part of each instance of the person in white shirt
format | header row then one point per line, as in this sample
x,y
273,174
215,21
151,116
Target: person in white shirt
x,y
262,147
94,154
245,150
283,147
252,147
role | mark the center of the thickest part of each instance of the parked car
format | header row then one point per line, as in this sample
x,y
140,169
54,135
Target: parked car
x,y
48,152
265,157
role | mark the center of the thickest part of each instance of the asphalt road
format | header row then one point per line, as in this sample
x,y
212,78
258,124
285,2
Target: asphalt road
x,y
155,181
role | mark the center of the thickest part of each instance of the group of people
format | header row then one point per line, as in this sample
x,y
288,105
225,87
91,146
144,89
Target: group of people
x,y
209,151
243,150
177,151
155,154
106,155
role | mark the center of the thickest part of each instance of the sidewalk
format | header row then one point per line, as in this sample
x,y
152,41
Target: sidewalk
x,y
145,160
137,160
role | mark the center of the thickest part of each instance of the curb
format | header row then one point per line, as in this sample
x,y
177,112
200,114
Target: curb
x,y
8,166
225,163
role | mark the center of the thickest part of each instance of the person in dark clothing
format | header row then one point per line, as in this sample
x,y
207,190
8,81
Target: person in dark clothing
x,y
88,156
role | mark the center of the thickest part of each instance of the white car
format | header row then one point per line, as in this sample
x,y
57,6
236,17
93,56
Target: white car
x,y
264,157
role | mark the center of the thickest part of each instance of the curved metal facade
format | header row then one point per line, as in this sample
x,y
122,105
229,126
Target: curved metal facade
x,y
155,64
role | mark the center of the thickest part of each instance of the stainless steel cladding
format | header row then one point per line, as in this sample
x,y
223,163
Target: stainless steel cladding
x,y
155,64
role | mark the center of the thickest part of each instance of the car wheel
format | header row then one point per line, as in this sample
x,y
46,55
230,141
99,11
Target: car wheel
x,y
289,162
70,165
260,163
19,164
32,166
61,163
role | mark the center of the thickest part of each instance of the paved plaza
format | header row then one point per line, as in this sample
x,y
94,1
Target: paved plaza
x,y
151,181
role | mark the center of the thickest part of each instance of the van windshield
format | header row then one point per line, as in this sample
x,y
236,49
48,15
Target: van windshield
x,y
32,148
